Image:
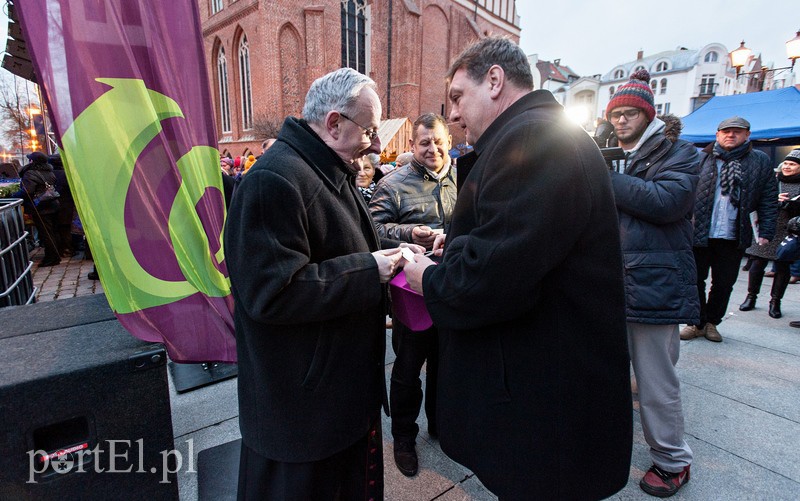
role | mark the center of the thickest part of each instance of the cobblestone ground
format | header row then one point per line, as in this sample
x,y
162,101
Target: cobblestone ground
x,y
65,280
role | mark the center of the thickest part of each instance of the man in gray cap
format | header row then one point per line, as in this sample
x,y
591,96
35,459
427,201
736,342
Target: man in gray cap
x,y
736,185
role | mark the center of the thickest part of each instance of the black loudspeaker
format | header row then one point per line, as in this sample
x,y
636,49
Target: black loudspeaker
x,y
84,406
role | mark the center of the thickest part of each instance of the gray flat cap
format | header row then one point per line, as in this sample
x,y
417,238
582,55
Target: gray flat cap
x,y
738,122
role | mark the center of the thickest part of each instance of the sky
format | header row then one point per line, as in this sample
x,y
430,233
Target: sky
x,y
592,37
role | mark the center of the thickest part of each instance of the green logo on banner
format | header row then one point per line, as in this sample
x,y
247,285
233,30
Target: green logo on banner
x,y
103,143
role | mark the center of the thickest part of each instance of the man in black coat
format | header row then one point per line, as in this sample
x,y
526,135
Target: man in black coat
x,y
735,181
534,384
307,276
654,189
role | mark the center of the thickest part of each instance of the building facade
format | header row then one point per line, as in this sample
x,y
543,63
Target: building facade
x,y
263,55
682,80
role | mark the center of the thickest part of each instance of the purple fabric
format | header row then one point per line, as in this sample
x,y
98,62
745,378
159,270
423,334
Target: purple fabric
x,y
74,42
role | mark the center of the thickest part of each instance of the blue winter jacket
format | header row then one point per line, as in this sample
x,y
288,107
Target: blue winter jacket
x,y
655,199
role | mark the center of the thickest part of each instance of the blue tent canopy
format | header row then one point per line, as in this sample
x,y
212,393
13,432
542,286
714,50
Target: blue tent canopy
x,y
773,115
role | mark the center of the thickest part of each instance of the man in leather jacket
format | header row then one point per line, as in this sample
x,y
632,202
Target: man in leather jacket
x,y
408,205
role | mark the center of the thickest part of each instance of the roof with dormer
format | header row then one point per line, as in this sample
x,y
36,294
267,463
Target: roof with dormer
x,y
679,59
551,71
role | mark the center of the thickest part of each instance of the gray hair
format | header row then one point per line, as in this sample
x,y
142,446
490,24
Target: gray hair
x,y
485,53
403,158
374,159
337,90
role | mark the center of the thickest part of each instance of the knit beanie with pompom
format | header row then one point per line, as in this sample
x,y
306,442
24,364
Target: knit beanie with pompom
x,y
636,93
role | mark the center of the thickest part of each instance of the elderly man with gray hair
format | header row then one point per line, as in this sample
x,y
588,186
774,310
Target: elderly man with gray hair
x,y
308,276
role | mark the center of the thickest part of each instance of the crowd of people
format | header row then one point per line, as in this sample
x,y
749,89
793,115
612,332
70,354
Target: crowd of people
x,y
528,376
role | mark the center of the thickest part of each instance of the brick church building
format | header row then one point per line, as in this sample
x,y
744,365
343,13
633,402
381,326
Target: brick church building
x,y
263,55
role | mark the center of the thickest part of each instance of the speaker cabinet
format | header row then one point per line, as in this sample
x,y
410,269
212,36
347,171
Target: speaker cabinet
x,y
84,406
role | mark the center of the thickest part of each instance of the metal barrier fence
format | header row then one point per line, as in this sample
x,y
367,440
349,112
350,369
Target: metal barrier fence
x,y
16,275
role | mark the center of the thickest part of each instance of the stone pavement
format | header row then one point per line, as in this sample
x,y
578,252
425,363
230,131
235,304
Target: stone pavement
x,y
65,280
741,401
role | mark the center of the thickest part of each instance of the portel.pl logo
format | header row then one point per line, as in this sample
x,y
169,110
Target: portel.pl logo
x,y
80,458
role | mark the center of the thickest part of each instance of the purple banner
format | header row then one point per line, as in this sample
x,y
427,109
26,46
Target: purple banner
x,y
127,89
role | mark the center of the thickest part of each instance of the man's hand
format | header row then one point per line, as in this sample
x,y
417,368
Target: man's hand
x,y
762,241
438,244
414,271
388,260
423,235
416,249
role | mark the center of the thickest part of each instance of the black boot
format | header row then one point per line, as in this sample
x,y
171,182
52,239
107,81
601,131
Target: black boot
x,y
405,457
754,279
749,303
775,308
779,284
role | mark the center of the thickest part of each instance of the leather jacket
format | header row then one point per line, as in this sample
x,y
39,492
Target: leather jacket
x,y
410,197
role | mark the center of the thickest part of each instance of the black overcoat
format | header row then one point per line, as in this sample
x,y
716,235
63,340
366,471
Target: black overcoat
x,y
309,305
534,384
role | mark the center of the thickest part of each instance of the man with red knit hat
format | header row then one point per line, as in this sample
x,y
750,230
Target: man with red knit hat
x,y
654,188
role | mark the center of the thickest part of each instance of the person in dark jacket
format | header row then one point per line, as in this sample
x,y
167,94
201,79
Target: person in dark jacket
x,y
654,190
534,373
789,206
307,277
409,205
36,176
736,184
66,209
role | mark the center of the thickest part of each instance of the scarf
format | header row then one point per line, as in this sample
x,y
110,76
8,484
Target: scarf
x,y
422,169
730,175
788,179
367,192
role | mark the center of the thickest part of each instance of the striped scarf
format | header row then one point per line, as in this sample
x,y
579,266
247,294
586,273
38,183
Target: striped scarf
x,y
730,175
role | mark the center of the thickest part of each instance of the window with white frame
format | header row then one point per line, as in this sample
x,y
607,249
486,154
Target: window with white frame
x,y
654,85
619,74
638,68
666,108
662,66
354,34
659,109
707,84
663,85
711,57
245,88
216,6
222,84
611,91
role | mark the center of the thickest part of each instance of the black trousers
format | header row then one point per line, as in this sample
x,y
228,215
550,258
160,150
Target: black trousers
x,y
355,473
64,219
779,282
46,226
412,350
722,258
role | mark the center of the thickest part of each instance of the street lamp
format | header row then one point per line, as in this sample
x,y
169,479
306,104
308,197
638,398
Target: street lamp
x,y
793,48
741,56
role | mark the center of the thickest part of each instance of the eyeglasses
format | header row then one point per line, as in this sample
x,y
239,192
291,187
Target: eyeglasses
x,y
371,133
633,114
